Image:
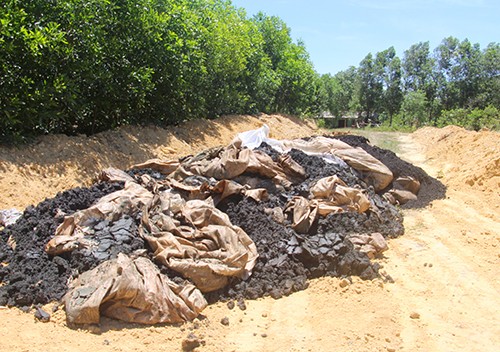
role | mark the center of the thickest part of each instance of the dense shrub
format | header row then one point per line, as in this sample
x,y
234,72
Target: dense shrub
x,y
82,66
475,119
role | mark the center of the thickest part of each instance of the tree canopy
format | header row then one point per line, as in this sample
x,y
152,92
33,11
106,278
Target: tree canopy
x,y
83,66
424,87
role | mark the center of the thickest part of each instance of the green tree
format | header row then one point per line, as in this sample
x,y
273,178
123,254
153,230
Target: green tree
x,y
33,52
392,95
490,77
296,92
419,74
229,43
324,93
295,79
413,109
459,63
276,35
344,85
370,86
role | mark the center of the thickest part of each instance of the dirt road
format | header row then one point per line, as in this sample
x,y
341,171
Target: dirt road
x,y
445,268
445,294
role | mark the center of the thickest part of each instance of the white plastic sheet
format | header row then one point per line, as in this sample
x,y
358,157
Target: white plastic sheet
x,y
253,139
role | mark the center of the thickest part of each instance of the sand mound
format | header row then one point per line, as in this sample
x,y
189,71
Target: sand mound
x,y
31,173
466,158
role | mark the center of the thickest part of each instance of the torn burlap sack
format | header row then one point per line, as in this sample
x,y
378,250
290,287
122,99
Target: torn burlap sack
x,y
401,196
219,163
70,233
115,175
304,213
165,167
407,183
336,192
404,190
132,290
328,195
231,161
371,244
197,240
218,192
373,171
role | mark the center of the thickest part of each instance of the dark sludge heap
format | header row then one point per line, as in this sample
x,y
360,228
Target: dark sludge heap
x,y
287,259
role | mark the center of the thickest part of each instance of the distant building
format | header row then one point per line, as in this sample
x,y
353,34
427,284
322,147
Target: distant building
x,y
331,121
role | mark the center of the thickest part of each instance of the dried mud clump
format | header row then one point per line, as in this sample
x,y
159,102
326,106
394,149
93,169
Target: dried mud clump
x,y
316,168
287,259
136,173
109,239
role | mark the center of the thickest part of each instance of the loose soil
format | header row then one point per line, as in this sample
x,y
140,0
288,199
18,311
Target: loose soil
x,y
445,295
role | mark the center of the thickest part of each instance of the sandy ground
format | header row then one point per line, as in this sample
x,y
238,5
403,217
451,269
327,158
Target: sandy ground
x,y
445,295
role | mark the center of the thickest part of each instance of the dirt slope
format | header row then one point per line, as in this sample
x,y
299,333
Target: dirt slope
x,y
445,295
465,158
54,163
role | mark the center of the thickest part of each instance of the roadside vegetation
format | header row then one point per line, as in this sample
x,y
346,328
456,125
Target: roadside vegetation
x,y
84,66
456,83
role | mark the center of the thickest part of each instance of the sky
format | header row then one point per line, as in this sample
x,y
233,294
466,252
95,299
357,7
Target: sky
x,y
339,34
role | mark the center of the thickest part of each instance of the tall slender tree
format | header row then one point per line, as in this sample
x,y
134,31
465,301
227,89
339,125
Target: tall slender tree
x,y
490,78
459,63
370,87
343,94
419,74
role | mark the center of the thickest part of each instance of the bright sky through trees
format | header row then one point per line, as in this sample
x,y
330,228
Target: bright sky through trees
x,y
339,33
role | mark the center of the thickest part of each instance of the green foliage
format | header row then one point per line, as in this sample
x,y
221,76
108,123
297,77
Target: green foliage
x,y
82,66
342,91
296,92
475,119
295,79
489,89
417,65
321,123
459,65
423,87
396,126
413,109
420,74
390,70
370,86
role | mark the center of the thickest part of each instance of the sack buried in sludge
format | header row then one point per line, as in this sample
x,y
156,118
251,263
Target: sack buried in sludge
x,y
131,290
198,241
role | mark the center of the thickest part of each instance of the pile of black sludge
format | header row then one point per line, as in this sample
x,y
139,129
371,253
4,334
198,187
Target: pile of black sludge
x,y
286,259
431,188
29,274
